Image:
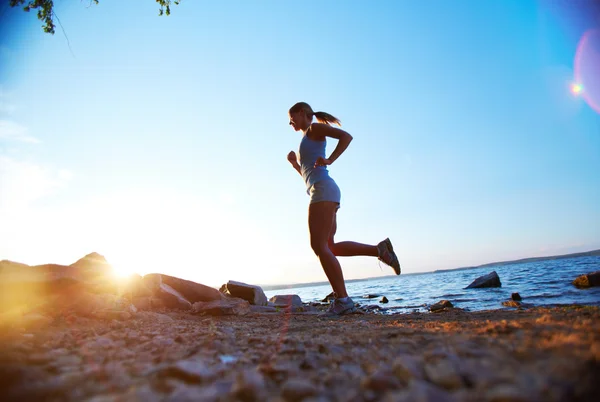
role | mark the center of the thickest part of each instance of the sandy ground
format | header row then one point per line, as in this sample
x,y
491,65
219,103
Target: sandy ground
x,y
540,354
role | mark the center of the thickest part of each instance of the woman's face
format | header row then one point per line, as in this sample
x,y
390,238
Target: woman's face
x,y
298,120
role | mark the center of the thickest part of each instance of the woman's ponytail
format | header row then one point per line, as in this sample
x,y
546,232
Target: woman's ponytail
x,y
326,118
322,117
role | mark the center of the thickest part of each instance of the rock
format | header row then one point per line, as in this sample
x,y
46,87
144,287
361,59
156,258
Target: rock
x,y
511,303
442,304
169,296
21,284
172,298
328,298
94,262
491,280
286,300
189,371
157,303
587,280
383,300
370,296
420,391
191,291
380,381
252,293
230,306
407,367
507,392
133,287
142,303
249,386
297,389
444,374
516,297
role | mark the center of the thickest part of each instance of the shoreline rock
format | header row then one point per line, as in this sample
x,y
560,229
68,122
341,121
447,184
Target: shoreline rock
x,y
587,280
252,293
491,280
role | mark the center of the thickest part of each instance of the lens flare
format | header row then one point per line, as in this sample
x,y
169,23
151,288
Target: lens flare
x,y
587,69
576,89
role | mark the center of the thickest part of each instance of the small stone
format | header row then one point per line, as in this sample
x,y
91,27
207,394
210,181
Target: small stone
x,y
444,374
507,393
102,342
406,367
142,302
516,297
227,359
380,381
286,300
383,299
249,386
419,391
191,371
511,303
297,389
442,304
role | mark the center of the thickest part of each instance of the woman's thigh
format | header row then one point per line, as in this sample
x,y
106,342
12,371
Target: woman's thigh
x,y
321,221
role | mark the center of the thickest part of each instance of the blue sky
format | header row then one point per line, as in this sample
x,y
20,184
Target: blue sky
x,y
161,142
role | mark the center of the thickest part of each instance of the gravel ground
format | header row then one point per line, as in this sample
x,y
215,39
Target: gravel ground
x,y
538,354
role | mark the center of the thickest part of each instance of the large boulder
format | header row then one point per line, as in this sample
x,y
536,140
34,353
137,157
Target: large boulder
x,y
95,263
286,300
491,280
23,285
252,293
191,291
587,280
169,296
133,286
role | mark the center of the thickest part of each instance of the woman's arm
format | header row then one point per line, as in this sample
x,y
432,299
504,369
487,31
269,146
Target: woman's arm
x,y
291,157
320,131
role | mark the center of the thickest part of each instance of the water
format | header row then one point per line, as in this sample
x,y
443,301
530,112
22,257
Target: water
x,y
539,283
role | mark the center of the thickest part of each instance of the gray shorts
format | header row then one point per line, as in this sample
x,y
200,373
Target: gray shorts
x,y
325,190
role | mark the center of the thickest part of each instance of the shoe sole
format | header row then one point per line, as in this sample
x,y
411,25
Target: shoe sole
x,y
388,244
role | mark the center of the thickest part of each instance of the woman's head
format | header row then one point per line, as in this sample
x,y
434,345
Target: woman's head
x,y
301,115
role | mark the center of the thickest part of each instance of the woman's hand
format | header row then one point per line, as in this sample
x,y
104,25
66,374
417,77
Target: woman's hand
x,y
291,157
322,161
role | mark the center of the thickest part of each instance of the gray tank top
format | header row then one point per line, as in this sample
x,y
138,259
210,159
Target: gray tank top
x,y
309,151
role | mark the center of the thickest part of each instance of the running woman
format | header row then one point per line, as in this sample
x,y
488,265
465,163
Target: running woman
x,y
325,197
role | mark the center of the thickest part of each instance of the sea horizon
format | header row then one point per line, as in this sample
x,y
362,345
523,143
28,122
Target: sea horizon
x,y
596,252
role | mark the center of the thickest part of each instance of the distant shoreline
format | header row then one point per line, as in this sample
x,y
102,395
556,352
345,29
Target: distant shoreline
x,y
491,264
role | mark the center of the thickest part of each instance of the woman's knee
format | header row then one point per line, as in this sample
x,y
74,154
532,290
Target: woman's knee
x,y
319,247
332,246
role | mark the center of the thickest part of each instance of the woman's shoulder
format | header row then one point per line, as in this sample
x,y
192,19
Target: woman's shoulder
x,y
316,131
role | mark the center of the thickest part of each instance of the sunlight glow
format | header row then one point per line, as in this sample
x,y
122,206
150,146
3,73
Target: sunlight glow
x,y
587,60
576,89
192,239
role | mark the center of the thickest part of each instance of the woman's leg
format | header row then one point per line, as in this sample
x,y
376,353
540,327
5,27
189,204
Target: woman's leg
x,y
321,217
384,250
349,248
